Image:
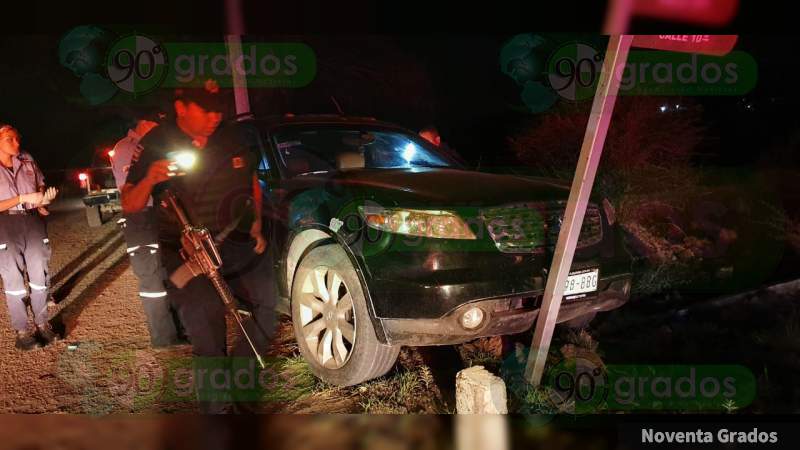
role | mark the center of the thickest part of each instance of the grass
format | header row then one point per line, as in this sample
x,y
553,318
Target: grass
x,y
581,339
654,279
409,384
486,352
379,396
395,394
526,399
297,380
374,405
729,406
480,358
410,388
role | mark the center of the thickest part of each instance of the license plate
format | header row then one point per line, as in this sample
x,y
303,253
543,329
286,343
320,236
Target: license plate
x,y
581,282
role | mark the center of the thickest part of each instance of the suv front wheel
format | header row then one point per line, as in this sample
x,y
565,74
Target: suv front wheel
x,y
331,321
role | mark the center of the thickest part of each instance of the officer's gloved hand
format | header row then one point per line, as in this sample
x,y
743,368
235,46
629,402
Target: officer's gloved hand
x,y
49,196
34,198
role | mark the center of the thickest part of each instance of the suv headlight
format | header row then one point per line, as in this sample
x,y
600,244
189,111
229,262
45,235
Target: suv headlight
x,y
416,222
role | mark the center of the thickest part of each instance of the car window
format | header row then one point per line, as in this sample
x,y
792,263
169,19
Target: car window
x,y
308,150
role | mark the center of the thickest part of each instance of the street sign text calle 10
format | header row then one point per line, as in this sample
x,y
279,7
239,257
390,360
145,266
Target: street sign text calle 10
x,y
707,44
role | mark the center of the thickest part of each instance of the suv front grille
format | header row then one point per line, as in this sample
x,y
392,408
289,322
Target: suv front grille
x,y
532,227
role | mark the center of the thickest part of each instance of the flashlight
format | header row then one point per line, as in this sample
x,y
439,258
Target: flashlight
x,y
182,161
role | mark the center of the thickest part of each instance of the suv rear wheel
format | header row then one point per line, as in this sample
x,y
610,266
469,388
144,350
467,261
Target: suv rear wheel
x,y
331,321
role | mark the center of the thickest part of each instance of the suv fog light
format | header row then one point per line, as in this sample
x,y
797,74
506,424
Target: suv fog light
x,y
472,318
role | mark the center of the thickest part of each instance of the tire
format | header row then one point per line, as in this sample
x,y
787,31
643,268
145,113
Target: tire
x,y
580,322
94,216
328,323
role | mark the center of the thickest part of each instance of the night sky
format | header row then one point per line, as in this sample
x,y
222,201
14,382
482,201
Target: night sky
x,y
452,80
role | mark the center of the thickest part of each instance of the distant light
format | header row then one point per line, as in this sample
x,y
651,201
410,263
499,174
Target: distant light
x,y
83,176
663,108
111,153
409,151
678,106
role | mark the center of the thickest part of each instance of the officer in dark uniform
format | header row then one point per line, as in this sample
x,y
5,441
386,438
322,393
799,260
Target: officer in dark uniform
x,y
24,245
141,235
219,192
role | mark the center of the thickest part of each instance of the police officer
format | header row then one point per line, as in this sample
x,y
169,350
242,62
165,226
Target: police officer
x,y
216,193
141,235
24,245
431,134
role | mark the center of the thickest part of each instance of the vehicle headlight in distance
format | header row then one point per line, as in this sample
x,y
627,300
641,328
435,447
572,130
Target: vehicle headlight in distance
x,y
417,222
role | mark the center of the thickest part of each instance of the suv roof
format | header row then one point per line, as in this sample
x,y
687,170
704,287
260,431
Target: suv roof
x,y
322,119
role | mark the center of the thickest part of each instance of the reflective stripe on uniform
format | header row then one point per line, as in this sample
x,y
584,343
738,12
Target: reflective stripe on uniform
x,y
152,294
121,221
133,249
152,252
37,287
22,292
152,245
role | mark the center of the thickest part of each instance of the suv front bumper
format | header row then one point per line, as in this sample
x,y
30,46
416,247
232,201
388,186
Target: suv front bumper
x,y
508,315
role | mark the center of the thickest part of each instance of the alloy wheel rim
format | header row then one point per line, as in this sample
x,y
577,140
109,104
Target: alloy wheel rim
x,y
327,317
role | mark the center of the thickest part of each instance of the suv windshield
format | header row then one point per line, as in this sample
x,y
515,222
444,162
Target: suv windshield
x,y
323,149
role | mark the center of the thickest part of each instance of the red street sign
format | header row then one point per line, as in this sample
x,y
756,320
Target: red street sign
x,y
702,12
707,44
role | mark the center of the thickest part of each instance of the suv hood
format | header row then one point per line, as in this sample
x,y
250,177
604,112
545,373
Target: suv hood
x,y
434,187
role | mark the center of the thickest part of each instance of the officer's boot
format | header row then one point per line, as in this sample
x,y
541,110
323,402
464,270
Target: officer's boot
x,y
160,323
26,341
46,333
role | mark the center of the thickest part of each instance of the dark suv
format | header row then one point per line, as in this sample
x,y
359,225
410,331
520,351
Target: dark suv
x,y
385,242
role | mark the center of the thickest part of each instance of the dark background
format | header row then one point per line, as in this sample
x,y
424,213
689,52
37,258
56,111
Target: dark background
x,y
434,65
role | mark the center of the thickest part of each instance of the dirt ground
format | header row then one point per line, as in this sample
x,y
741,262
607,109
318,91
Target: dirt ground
x,y
104,364
97,310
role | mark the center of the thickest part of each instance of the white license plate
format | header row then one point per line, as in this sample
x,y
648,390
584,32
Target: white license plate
x,y
581,282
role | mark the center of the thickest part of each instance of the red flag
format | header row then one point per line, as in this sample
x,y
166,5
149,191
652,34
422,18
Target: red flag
x,y
701,12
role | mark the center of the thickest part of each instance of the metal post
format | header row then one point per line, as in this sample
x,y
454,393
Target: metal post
x,y
618,17
235,27
593,140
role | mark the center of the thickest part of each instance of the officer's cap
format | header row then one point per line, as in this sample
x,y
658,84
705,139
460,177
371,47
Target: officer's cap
x,y
207,97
